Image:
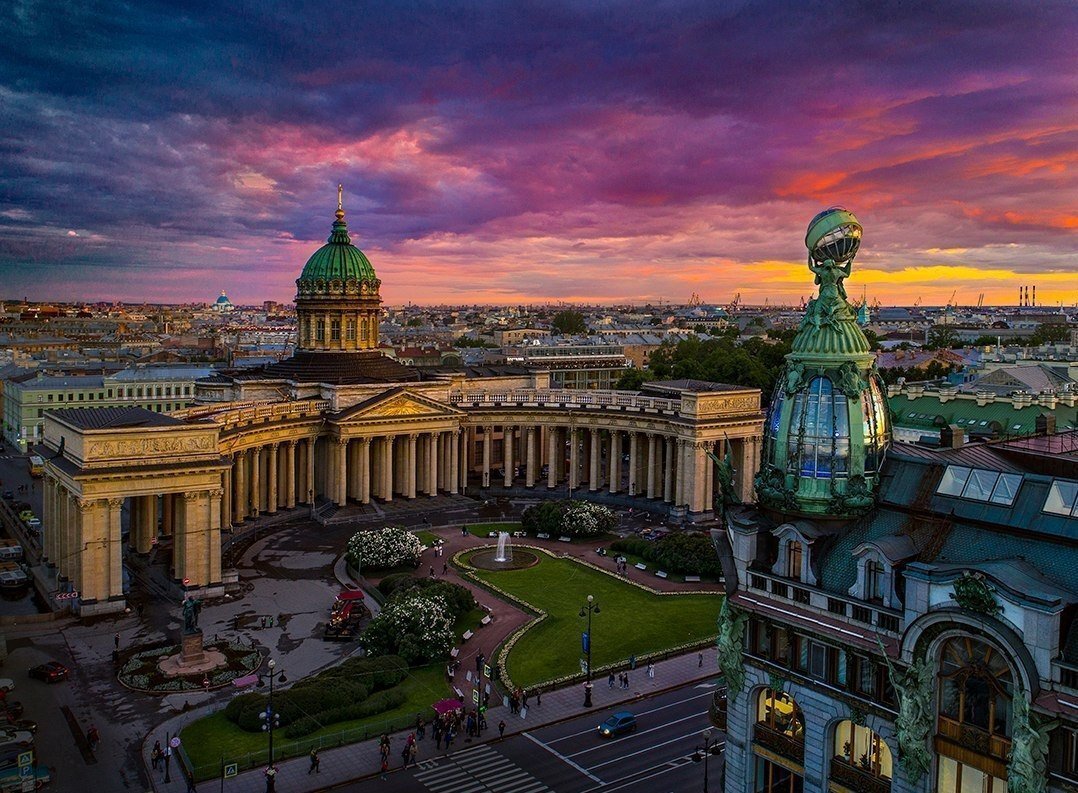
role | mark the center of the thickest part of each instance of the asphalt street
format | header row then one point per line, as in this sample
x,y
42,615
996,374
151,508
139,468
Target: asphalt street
x,y
571,757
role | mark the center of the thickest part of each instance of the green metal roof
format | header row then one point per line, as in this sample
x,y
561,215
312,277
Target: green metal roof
x,y
339,259
927,412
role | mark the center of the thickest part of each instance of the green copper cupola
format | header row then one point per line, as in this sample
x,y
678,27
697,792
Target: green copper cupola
x,y
827,428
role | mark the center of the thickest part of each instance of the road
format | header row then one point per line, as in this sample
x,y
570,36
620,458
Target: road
x,y
570,757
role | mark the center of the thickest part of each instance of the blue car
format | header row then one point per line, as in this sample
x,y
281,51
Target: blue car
x,y
618,724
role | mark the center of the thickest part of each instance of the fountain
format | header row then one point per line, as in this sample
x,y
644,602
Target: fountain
x,y
505,550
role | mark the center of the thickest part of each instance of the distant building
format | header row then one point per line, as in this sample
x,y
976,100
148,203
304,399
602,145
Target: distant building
x,y
223,305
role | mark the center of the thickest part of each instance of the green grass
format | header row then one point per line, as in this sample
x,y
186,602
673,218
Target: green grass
x,y
630,621
481,530
430,539
213,737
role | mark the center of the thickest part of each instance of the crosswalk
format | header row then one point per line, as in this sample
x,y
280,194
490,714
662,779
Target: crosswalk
x,y
478,770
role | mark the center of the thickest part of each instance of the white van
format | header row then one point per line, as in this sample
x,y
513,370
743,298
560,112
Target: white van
x,y
10,550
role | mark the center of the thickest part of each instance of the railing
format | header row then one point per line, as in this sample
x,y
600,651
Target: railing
x,y
975,739
568,397
884,619
858,779
779,742
232,414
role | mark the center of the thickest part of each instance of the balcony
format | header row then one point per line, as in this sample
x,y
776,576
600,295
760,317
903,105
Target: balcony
x,y
975,739
857,779
780,743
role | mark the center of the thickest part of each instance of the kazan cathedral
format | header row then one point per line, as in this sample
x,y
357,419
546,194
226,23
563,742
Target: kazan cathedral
x,y
899,618
340,430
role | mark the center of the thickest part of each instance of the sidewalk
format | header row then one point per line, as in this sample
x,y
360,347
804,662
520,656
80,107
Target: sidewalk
x,y
349,763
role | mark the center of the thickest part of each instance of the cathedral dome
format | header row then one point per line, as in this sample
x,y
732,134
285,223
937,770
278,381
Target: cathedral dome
x,y
828,425
338,265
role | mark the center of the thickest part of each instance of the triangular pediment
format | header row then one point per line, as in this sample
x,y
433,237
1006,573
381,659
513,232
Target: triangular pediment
x,y
397,403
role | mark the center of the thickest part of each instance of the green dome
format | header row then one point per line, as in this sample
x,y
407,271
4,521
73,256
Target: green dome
x,y
338,259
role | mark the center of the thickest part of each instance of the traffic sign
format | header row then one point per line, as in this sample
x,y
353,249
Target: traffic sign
x,y
231,770
486,669
25,759
475,696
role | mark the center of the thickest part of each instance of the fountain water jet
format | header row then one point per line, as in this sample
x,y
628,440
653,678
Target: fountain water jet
x,y
505,550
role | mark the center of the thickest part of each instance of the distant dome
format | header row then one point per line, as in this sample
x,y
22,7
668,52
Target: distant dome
x,y
223,300
338,261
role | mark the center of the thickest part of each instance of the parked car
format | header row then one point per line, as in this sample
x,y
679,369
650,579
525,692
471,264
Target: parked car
x,y
6,684
620,723
34,524
26,514
29,725
50,672
11,709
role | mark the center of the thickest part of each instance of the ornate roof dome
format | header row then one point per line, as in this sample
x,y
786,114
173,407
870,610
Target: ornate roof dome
x,y
223,299
338,261
828,426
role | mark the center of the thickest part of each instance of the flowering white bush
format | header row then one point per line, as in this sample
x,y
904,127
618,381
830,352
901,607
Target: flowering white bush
x,y
584,519
389,546
417,627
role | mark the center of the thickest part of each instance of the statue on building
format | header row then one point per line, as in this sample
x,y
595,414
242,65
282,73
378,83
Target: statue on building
x,y
730,645
725,495
191,610
913,690
1028,770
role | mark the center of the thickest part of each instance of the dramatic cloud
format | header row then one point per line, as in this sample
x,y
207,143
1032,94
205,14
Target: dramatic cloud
x,y
523,151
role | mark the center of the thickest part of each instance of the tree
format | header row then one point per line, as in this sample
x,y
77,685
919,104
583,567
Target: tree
x,y
1049,333
984,340
569,323
941,337
632,379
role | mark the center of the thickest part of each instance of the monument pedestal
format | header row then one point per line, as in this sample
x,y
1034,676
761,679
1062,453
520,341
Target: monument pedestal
x,y
191,649
192,659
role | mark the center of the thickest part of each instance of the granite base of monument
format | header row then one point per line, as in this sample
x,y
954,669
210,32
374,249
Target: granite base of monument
x,y
192,659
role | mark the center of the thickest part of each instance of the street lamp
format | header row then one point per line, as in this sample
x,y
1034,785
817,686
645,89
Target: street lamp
x,y
589,608
270,719
709,747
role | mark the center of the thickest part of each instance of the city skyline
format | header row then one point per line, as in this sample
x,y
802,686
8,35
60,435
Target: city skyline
x,y
531,153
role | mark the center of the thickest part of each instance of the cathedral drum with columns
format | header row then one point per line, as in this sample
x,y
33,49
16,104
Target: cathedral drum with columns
x,y
339,423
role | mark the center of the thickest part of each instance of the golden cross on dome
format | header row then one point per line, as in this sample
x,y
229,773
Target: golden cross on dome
x,y
340,196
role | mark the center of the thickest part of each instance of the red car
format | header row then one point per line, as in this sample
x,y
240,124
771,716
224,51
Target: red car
x,y
50,672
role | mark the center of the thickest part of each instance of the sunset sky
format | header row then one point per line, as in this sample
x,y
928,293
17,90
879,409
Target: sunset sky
x,y
513,152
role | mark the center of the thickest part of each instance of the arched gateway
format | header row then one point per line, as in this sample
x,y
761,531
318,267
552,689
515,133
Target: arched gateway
x,y
340,420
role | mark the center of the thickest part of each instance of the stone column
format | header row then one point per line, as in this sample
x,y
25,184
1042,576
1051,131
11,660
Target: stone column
x,y
574,459
133,523
413,464
613,463
340,485
112,549
709,476
455,479
487,431
680,476
530,468
48,521
213,540
432,463
668,471
653,452
256,481
290,474
147,523
594,482
633,458
226,496
552,463
387,468
699,458
310,471
365,470
271,480
508,462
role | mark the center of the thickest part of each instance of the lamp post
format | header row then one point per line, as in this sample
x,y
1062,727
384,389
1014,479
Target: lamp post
x,y
270,719
708,748
589,608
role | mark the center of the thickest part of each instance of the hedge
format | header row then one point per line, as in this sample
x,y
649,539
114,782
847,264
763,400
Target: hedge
x,y
686,553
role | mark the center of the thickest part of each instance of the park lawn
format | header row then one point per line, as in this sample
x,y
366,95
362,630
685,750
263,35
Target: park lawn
x,y
630,621
428,538
214,737
481,530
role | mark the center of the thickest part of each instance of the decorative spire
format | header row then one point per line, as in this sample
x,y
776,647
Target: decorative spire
x,y
340,202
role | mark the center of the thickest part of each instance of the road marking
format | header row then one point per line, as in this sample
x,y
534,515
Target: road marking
x,y
644,732
638,715
707,685
563,758
634,779
648,749
479,769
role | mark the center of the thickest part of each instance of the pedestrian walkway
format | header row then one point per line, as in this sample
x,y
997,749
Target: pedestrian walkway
x,y
479,769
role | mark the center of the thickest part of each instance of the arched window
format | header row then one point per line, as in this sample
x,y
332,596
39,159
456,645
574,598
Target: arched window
x,y
818,445
778,711
780,729
858,752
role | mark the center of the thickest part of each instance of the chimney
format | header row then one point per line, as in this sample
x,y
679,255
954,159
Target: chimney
x,y
1034,294
952,437
1045,424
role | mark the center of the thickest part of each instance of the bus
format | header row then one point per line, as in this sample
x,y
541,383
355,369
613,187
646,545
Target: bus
x,y
36,465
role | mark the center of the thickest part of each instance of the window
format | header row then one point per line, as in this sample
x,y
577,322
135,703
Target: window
x,y
350,330
862,614
862,749
819,438
821,661
774,778
954,479
1006,489
836,606
794,554
980,485
49,399
956,777
82,397
334,330
862,675
976,688
1062,498
778,711
874,581
110,393
319,330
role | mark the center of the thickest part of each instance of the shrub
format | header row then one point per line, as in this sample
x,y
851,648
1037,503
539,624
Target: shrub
x,y
458,599
543,518
394,581
635,546
687,553
415,626
373,705
382,548
584,519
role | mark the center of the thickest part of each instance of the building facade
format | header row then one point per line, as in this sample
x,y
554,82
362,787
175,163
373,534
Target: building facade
x,y
340,422
913,629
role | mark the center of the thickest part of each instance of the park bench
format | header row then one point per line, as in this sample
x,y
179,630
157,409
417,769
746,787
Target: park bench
x,y
660,573
565,539
695,579
466,635
640,566
520,534
542,536
486,620
454,652
492,534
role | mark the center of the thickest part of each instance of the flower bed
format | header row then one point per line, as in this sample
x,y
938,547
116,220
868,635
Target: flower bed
x,y
138,668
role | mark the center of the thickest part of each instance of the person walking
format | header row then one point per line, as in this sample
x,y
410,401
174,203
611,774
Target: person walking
x,y
314,769
116,641
610,680
271,780
651,670
155,755
501,730
445,568
413,751
92,738
538,697
699,660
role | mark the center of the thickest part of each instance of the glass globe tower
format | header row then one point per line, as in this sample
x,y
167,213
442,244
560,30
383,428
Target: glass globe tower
x,y
828,427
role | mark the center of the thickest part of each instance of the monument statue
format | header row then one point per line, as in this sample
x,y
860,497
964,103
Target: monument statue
x,y
730,644
914,723
1028,769
191,609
